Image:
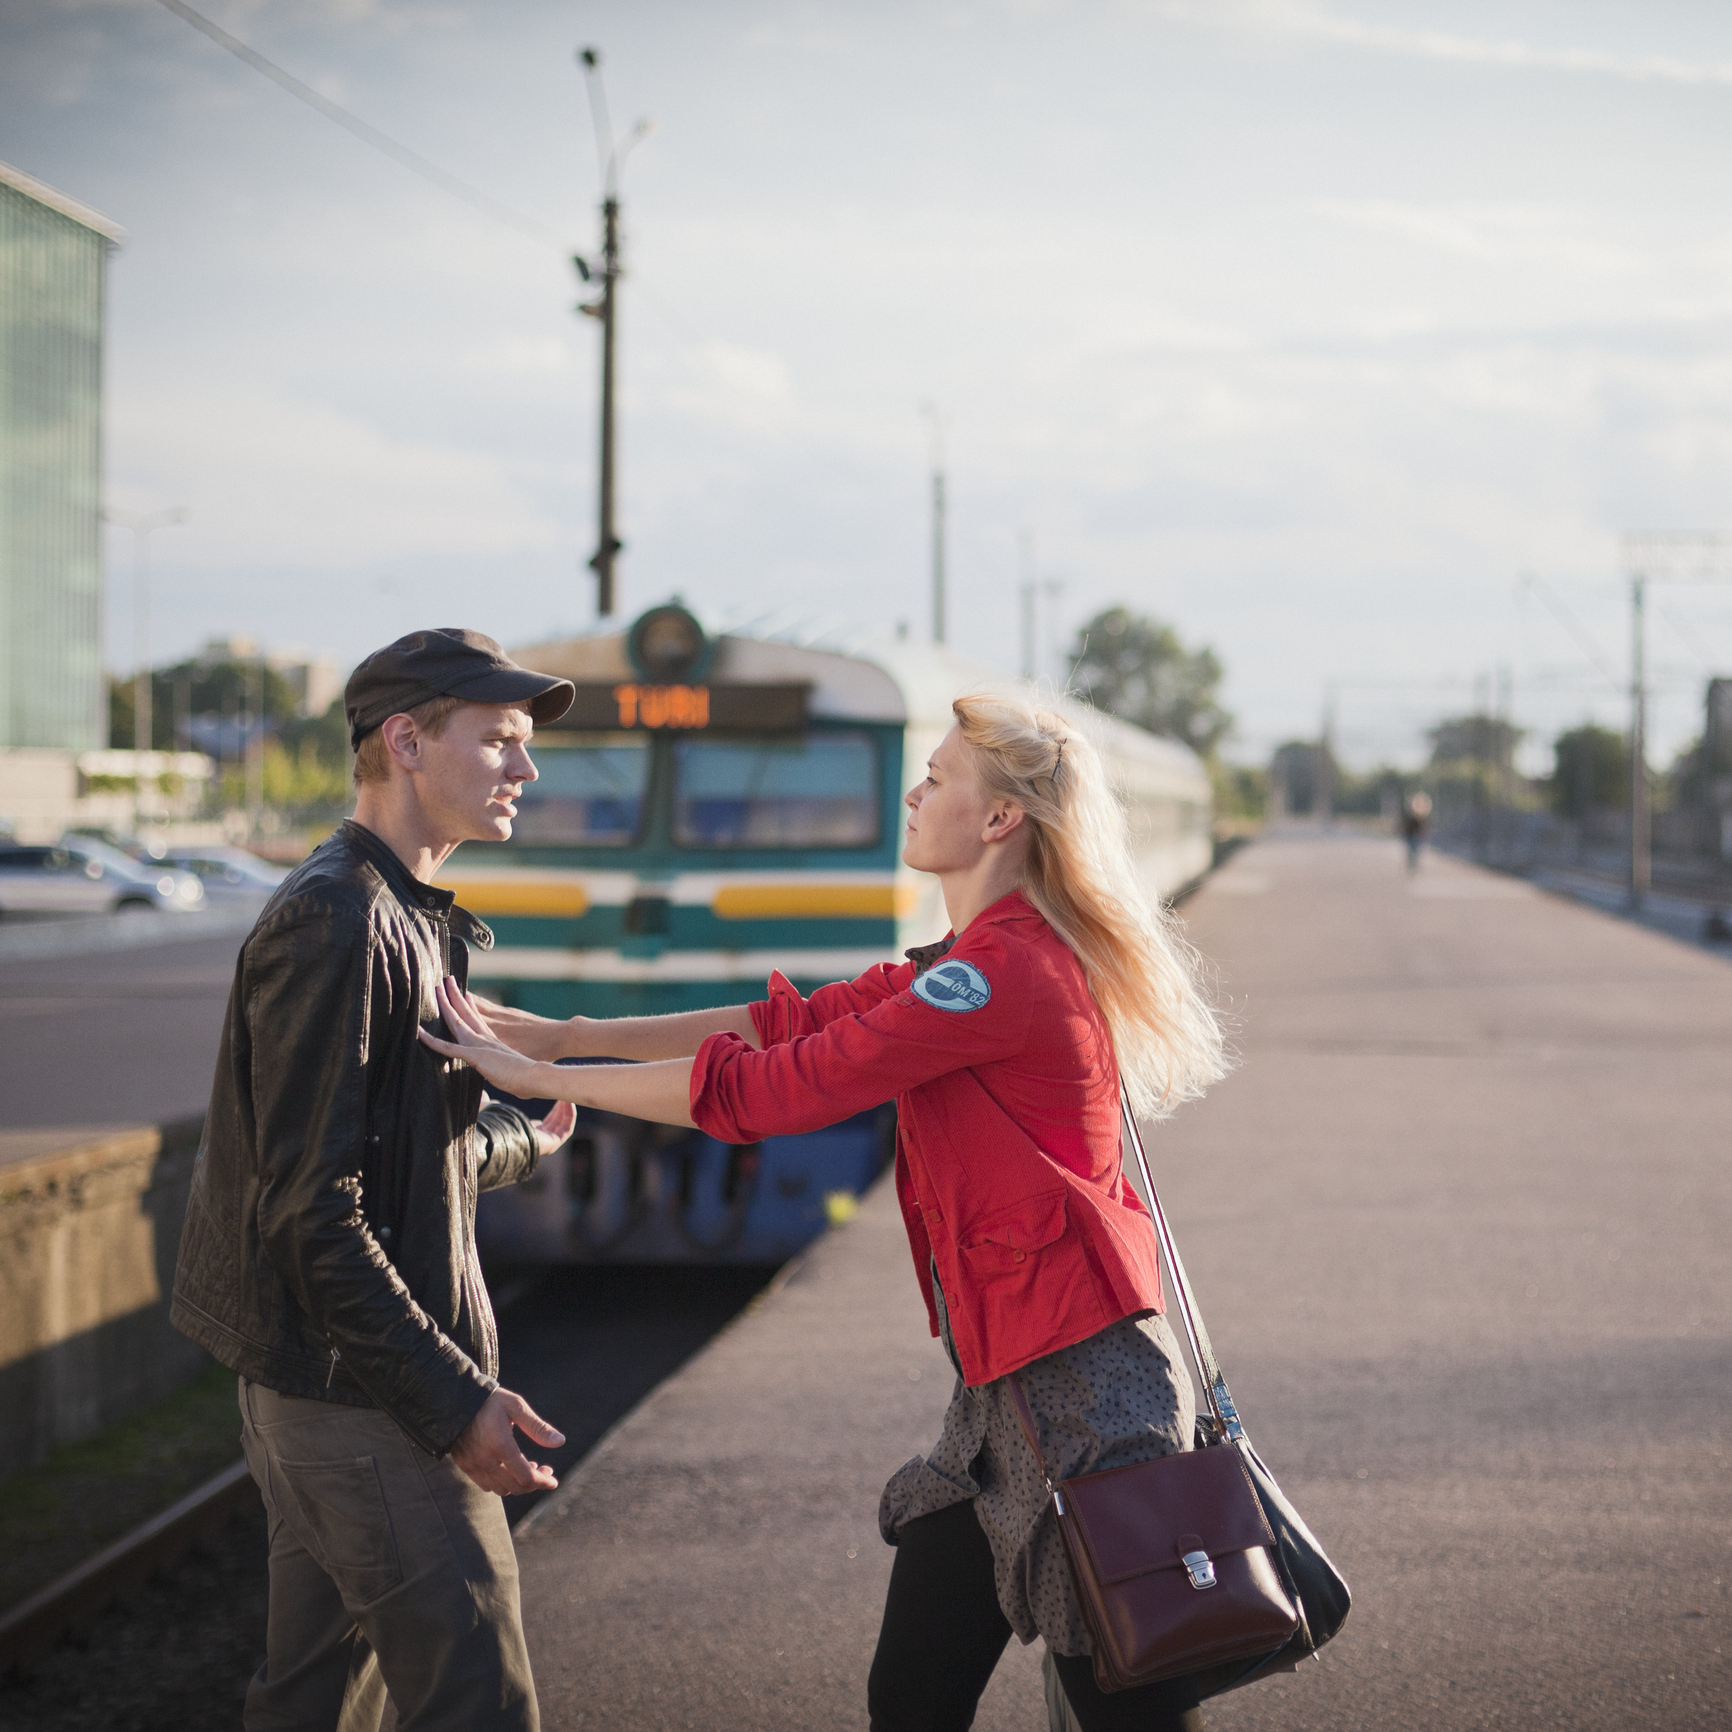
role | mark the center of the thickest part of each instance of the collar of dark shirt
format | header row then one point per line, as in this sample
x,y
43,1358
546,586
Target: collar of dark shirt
x,y
435,899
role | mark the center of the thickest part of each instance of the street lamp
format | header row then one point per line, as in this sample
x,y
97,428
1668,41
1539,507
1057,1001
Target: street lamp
x,y
612,161
1693,557
141,523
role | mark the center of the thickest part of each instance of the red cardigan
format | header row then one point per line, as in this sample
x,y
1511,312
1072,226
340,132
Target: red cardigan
x,y
1007,1138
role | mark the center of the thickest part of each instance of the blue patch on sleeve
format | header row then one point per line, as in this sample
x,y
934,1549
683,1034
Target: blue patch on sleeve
x,y
952,985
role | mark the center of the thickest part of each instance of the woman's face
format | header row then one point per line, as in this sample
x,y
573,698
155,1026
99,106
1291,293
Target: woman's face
x,y
952,821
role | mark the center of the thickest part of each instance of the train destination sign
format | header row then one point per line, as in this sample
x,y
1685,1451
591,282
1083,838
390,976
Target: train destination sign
x,y
636,705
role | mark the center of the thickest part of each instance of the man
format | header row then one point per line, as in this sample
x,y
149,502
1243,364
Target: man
x,y
329,1251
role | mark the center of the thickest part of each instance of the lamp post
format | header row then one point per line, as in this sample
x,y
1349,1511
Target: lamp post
x,y
608,544
1690,557
141,524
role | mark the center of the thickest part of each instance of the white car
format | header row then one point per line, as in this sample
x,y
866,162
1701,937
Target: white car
x,y
229,875
78,875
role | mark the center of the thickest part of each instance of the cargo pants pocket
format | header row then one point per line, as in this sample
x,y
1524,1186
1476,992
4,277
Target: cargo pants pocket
x,y
345,1524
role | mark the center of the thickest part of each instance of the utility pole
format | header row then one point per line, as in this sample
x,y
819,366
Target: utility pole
x,y
1326,757
1692,557
938,526
142,523
938,556
608,544
255,746
1054,589
1025,542
1641,837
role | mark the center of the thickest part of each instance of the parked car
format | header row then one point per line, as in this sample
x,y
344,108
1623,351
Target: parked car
x,y
134,847
227,874
77,875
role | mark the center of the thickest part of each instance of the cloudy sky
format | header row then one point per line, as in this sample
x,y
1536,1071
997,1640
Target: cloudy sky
x,y
1309,328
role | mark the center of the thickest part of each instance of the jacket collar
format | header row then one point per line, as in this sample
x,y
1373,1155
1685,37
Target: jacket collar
x,y
1015,906
409,890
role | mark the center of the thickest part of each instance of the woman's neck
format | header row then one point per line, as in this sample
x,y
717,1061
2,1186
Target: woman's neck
x,y
970,893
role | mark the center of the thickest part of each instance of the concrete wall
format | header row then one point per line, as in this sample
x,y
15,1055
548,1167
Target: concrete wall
x,y
38,793
89,1231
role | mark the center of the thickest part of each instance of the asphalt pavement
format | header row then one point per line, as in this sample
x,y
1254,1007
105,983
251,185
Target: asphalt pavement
x,y
1458,1224
110,1038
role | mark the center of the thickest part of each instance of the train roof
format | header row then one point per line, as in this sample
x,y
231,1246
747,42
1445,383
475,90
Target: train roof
x,y
890,680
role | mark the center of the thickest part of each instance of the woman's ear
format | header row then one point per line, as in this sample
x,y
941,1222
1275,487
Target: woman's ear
x,y
1002,822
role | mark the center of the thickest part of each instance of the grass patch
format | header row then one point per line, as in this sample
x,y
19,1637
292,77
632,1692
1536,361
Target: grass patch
x,y
86,1495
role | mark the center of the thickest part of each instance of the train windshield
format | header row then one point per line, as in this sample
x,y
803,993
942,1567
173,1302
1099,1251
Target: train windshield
x,y
817,792
590,790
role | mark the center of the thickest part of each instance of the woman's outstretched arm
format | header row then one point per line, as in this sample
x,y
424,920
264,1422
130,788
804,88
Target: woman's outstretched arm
x,y
660,1092
678,1035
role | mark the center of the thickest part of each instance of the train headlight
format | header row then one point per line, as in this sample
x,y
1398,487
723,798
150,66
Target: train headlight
x,y
667,646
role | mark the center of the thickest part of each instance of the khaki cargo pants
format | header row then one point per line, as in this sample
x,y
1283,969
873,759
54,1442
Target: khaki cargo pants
x,y
391,1575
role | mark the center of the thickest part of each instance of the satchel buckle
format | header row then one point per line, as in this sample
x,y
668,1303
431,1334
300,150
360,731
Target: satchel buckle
x,y
1201,1571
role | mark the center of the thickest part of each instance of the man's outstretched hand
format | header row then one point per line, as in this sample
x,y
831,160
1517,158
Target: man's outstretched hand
x,y
551,1132
486,1449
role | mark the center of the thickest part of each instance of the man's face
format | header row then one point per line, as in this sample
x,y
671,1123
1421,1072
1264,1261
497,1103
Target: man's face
x,y
472,773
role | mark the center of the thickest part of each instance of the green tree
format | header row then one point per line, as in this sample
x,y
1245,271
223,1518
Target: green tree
x,y
1241,790
195,688
327,735
1136,667
300,782
1591,768
1488,742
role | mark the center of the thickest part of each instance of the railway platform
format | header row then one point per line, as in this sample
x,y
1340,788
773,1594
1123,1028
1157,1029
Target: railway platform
x,y
1458,1223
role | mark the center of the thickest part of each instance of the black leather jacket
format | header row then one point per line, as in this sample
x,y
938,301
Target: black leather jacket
x,y
329,1248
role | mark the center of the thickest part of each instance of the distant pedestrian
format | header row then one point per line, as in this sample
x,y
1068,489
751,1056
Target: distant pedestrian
x,y
1415,821
1002,1045
329,1249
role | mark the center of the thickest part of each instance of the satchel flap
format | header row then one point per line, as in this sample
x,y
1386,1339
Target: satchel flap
x,y
1147,1516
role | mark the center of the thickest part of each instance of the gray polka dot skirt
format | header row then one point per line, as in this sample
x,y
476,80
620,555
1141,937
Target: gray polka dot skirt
x,y
1119,1397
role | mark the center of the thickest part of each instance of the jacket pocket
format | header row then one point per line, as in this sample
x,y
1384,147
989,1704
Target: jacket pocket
x,y
1005,1239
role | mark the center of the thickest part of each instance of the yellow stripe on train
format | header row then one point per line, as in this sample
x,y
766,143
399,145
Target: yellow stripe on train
x,y
559,897
814,901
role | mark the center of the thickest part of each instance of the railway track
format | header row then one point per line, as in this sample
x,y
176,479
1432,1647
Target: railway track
x,y
582,1345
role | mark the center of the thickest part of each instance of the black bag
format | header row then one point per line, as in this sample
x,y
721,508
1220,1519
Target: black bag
x,y
1316,1585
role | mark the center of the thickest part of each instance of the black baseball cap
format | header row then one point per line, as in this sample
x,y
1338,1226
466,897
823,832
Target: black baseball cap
x,y
448,662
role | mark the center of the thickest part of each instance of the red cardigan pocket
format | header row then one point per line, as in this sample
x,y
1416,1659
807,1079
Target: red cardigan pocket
x,y
1004,1241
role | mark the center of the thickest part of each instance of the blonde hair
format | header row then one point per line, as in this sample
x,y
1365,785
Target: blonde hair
x,y
373,757
1080,877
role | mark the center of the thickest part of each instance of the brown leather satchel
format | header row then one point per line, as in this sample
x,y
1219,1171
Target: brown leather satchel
x,y
1175,1560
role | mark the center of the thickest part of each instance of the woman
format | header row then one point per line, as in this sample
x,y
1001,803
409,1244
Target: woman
x,y
1004,1046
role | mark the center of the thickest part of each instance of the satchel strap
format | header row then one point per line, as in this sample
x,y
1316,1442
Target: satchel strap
x,y
1202,1349
1220,1398
1025,1414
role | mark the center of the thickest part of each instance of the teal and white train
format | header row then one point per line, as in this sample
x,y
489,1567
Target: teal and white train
x,y
714,807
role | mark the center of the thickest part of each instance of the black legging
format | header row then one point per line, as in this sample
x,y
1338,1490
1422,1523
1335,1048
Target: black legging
x,y
944,1632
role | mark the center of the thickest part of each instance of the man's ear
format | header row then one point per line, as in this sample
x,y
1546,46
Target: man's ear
x,y
402,740
1003,821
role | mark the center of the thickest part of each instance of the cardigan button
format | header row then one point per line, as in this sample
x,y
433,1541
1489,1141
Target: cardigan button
x,y
1020,1256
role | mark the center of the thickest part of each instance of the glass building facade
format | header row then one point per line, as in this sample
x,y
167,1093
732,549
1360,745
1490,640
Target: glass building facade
x,y
53,258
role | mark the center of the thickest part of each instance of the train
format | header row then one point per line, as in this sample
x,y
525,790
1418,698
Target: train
x,y
714,806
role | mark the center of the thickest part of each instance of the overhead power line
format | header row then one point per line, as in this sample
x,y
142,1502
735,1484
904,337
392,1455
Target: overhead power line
x,y
1568,621
353,123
